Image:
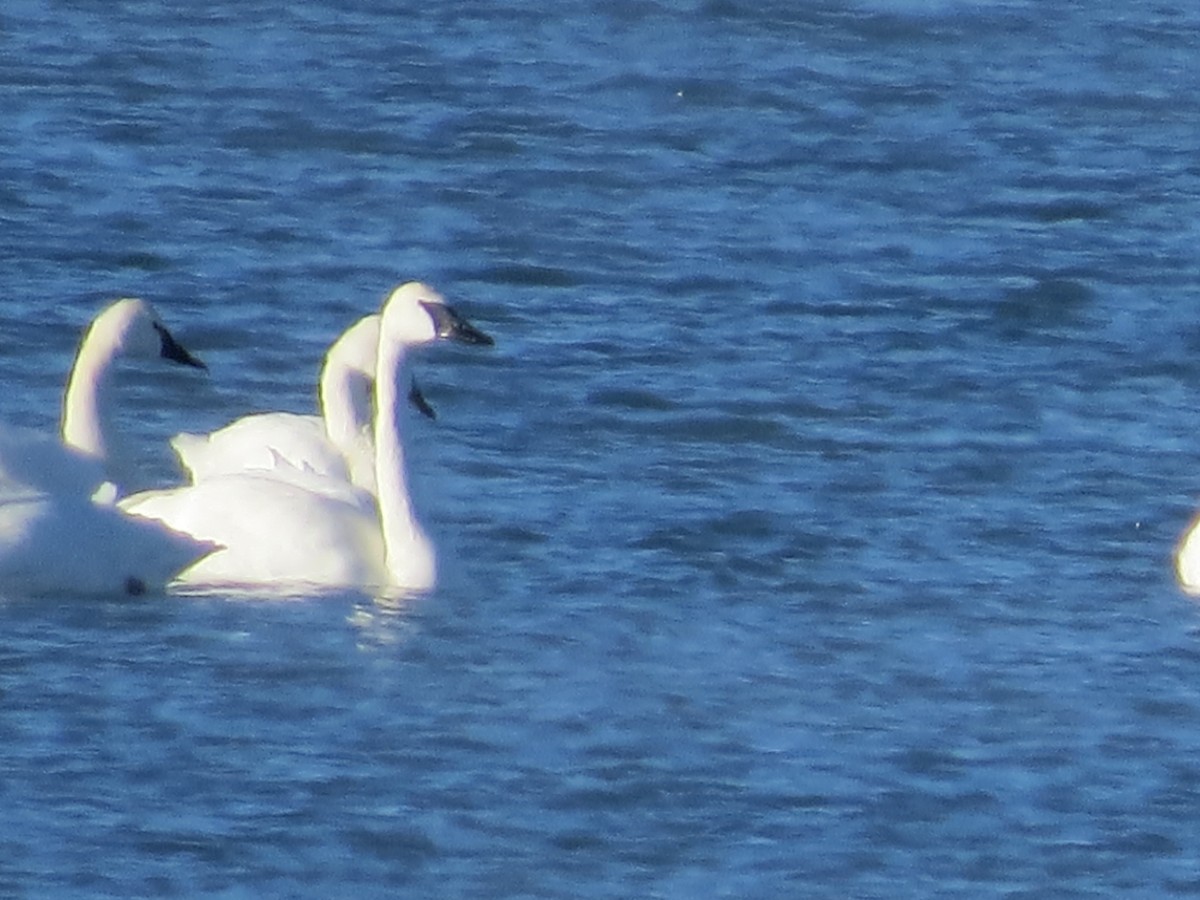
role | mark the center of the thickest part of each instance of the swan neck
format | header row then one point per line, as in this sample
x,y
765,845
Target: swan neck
x,y
408,553
337,406
345,402
86,400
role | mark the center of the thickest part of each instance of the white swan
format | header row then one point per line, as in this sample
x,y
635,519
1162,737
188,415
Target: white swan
x,y
53,537
314,532
337,444
1187,559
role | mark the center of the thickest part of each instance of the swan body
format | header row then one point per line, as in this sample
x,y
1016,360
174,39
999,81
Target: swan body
x,y
56,542
311,531
334,539
53,535
338,444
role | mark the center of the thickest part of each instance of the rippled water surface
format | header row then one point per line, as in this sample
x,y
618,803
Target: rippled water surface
x,y
806,533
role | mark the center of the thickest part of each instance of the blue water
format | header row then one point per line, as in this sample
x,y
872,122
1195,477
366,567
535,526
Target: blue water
x,y
806,533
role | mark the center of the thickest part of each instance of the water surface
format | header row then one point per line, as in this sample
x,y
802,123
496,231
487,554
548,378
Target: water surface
x,y
806,533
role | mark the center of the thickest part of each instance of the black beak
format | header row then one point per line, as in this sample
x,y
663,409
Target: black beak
x,y
453,327
175,351
417,399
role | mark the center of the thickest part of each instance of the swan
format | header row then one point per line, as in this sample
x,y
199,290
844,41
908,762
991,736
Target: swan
x,y
1187,559
53,535
312,531
337,444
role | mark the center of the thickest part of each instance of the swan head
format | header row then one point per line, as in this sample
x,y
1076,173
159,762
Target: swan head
x,y
415,313
133,328
348,379
355,350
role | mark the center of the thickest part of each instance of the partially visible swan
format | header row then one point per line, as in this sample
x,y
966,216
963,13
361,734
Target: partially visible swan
x,y
316,532
64,542
337,444
53,537
1187,559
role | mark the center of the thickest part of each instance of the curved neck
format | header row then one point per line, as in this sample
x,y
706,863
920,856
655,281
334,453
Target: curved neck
x,y
345,398
85,403
409,555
